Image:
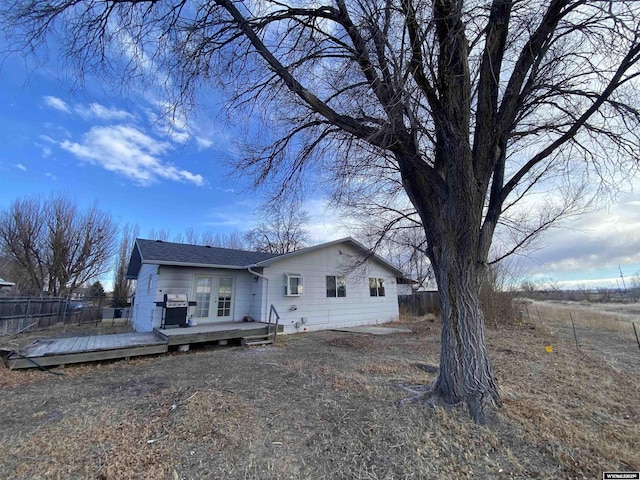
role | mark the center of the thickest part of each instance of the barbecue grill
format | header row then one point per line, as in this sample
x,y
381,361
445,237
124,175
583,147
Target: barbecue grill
x,y
174,309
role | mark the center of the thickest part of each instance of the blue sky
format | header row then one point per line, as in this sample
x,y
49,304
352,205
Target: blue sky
x,y
122,154
119,152
113,151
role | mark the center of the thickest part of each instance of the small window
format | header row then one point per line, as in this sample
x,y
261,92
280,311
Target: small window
x,y
149,284
336,286
293,285
376,287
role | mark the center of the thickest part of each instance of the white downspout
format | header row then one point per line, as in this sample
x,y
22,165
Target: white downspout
x,y
266,296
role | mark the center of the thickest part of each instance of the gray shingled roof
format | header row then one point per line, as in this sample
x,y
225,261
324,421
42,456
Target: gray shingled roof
x,y
168,253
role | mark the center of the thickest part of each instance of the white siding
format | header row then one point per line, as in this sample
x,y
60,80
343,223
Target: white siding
x,y
257,305
253,295
173,279
144,309
313,310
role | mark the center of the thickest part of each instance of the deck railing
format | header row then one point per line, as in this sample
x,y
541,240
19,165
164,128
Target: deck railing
x,y
273,311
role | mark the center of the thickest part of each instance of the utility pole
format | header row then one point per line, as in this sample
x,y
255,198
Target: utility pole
x,y
623,284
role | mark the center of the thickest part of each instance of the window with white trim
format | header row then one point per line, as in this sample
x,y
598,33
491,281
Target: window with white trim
x,y
294,284
376,287
336,286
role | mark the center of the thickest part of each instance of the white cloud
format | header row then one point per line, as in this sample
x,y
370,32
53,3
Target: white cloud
x,y
203,143
46,146
56,103
21,167
170,123
54,130
96,111
127,151
93,111
47,138
598,240
51,176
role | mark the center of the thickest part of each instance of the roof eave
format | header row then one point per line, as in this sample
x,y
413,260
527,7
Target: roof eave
x,y
192,264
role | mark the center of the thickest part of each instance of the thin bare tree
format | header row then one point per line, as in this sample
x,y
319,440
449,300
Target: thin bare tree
x,y
470,106
160,234
282,228
23,237
121,287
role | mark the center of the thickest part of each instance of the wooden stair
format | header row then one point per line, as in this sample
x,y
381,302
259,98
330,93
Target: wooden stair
x,y
269,336
264,339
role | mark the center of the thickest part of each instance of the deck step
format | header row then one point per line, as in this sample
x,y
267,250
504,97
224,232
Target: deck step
x,y
256,342
255,337
263,339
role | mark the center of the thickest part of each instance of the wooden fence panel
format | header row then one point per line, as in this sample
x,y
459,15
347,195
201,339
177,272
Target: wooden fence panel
x,y
419,303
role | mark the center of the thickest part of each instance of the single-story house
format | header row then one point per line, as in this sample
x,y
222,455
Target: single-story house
x,y
335,284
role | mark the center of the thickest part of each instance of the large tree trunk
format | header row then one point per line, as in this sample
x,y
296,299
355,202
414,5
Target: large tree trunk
x,y
452,219
465,373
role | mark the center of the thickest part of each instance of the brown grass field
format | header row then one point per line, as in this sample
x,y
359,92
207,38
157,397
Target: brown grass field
x,y
322,406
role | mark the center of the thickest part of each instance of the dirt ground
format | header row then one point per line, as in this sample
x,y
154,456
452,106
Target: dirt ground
x,y
320,406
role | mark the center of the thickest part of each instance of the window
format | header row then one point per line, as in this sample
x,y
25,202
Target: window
x,y
225,292
376,287
149,284
293,284
203,296
336,286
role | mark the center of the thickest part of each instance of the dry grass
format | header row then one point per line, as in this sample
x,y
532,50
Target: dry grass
x,y
320,405
587,315
571,404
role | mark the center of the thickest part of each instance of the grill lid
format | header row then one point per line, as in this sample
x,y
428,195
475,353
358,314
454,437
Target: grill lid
x,y
175,300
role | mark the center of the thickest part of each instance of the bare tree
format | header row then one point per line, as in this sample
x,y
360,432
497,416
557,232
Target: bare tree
x,y
121,287
59,246
161,234
191,236
403,246
81,244
282,229
23,237
469,106
234,240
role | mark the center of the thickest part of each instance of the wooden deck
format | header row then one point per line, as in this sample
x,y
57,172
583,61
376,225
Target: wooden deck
x,y
212,332
62,351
